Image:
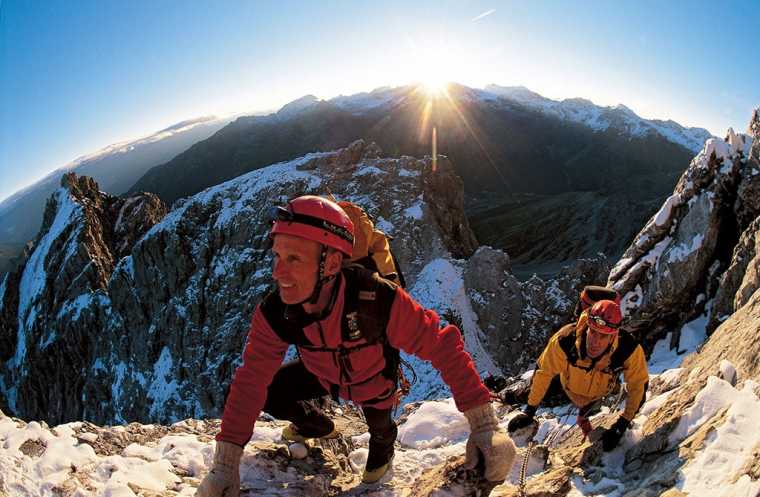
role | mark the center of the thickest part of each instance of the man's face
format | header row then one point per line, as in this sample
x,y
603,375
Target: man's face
x,y
597,342
295,266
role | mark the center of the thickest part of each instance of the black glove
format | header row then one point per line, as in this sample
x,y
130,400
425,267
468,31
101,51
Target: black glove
x,y
611,437
525,418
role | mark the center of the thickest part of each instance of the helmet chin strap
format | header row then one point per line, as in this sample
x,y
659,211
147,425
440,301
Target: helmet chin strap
x,y
296,311
321,280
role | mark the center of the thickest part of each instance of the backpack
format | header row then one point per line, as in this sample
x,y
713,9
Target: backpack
x,y
590,295
371,246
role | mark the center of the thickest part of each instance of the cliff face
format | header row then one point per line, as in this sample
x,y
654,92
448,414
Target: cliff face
x,y
116,316
54,309
677,265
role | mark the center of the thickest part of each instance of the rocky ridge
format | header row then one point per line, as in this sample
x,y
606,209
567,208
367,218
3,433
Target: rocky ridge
x,y
678,263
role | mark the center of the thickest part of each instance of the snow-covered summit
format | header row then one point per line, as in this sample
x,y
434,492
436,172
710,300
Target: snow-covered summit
x,y
602,118
365,101
297,106
519,94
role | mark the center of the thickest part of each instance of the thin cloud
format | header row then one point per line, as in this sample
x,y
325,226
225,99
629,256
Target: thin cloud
x,y
484,14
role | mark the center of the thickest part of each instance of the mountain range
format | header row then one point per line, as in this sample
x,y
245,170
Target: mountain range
x,y
510,146
523,159
115,167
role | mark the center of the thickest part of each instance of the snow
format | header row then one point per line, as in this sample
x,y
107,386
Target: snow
x,y
720,148
369,170
433,425
716,395
693,334
717,469
664,214
682,251
242,189
600,118
72,309
297,106
385,226
406,173
363,102
164,386
34,278
415,211
429,437
655,403
727,371
651,259
440,286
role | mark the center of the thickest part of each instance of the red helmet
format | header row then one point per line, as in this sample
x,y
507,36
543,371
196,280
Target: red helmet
x,y
605,317
317,219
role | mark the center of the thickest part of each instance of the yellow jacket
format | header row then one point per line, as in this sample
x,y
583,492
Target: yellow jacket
x,y
586,380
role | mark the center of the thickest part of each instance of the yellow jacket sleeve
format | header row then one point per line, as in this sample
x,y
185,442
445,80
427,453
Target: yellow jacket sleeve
x,y
636,377
552,361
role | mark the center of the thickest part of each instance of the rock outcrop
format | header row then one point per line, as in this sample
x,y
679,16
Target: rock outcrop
x,y
52,308
518,318
673,267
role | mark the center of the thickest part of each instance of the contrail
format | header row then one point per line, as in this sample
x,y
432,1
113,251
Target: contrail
x,y
484,14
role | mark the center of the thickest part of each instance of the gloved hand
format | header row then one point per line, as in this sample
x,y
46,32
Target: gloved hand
x,y
525,418
611,436
224,478
490,440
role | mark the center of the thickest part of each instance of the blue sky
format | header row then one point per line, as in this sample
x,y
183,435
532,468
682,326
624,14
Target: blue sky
x,y
77,76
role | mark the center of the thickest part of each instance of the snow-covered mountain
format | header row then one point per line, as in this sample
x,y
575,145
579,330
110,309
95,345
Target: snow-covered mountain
x,y
600,118
577,110
518,163
115,168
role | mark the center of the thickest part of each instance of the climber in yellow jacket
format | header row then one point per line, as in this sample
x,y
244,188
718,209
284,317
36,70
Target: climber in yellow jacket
x,y
588,356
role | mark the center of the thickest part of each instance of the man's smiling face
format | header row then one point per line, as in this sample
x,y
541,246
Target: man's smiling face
x,y
295,266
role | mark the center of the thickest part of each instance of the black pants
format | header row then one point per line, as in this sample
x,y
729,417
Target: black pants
x,y
291,397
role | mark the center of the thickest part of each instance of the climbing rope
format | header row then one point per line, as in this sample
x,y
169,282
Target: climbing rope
x,y
524,467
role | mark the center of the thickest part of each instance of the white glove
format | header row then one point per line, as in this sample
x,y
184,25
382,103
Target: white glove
x,y
224,478
490,440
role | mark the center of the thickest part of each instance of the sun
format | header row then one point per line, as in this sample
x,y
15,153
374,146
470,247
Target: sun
x,y
431,64
434,87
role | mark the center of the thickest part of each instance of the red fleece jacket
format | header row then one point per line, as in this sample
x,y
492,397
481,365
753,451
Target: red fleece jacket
x,y
411,328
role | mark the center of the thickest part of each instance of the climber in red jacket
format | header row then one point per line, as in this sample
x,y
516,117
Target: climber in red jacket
x,y
348,324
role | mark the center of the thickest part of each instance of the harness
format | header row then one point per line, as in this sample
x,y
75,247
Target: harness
x,y
368,299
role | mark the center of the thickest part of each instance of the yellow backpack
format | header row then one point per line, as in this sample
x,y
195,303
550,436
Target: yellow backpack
x,y
371,247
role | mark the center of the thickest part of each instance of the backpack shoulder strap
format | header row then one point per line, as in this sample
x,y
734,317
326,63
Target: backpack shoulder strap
x,y
626,345
289,330
368,299
567,342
